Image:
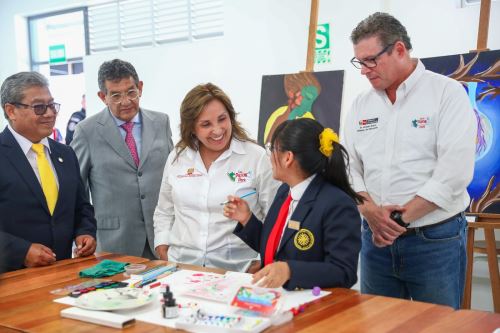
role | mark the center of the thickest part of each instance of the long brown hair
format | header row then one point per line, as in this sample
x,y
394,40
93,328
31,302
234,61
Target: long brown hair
x,y
191,108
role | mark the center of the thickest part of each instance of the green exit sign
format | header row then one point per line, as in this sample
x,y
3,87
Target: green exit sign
x,y
57,53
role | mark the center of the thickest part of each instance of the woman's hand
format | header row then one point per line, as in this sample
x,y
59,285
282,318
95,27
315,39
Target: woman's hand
x,y
237,209
273,275
162,251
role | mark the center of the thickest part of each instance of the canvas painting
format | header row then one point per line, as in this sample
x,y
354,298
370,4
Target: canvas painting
x,y
479,73
316,95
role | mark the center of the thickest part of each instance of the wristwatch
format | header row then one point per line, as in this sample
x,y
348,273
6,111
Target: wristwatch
x,y
397,216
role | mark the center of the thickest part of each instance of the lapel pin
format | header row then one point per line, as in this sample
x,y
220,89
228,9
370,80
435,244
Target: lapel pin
x,y
60,159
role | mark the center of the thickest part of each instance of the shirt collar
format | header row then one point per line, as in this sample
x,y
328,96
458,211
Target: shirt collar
x,y
412,80
119,122
298,190
25,143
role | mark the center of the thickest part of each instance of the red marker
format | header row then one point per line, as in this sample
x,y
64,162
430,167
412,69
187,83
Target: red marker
x,y
156,284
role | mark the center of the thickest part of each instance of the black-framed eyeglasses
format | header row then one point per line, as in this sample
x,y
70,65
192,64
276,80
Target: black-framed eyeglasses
x,y
40,109
372,61
131,95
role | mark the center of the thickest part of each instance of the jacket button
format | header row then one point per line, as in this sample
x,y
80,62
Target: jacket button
x,y
139,173
142,196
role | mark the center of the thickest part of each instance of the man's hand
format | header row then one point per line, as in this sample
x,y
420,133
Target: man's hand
x,y
39,255
384,229
273,275
85,245
162,251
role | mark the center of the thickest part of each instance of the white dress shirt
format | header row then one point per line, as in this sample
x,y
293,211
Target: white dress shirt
x,y
422,145
31,155
189,216
297,192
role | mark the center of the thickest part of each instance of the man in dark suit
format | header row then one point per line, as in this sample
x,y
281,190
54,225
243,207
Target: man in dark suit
x,y
122,152
43,205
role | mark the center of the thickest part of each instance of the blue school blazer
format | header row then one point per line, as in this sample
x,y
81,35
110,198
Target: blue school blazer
x,y
322,240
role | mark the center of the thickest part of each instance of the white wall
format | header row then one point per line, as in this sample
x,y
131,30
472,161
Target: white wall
x,y
261,37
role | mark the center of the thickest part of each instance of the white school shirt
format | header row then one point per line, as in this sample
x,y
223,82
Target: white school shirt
x,y
423,144
189,215
296,192
30,154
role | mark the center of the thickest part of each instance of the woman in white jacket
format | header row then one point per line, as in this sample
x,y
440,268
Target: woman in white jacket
x,y
213,159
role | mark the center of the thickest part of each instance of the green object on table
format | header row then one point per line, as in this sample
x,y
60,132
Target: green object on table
x,y
103,269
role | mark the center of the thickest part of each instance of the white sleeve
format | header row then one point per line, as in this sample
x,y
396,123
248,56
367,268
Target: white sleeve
x,y
456,137
355,167
163,217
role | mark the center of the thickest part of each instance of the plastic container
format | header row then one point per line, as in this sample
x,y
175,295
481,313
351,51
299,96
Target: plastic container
x,y
134,269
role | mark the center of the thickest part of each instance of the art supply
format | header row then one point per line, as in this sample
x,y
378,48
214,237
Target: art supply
x,y
169,308
146,282
221,323
134,269
66,290
154,272
316,291
97,317
102,285
243,196
115,299
263,301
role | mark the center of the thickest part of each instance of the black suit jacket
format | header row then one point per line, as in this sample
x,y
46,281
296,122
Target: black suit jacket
x,y
24,215
327,259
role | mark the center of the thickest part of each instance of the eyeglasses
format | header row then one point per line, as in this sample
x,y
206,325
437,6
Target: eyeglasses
x,y
131,95
269,148
40,109
370,62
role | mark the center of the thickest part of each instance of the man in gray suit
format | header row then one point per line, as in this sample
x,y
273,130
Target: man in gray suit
x,y
122,152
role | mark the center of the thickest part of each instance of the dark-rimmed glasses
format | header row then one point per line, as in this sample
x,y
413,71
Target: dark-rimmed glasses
x,y
131,95
372,61
40,109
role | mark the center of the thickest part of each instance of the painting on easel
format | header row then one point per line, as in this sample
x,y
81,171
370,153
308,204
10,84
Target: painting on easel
x,y
479,73
316,95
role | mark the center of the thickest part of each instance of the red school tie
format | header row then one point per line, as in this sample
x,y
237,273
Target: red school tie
x,y
130,141
275,235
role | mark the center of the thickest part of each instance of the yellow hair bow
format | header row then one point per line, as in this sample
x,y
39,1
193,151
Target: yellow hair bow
x,y
326,140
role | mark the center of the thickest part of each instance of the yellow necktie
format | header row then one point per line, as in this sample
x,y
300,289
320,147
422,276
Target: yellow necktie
x,y
49,185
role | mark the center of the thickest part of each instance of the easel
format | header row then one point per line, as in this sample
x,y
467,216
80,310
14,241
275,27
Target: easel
x,y
488,222
484,22
311,41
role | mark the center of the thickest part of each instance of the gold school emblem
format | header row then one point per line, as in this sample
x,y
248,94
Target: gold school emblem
x,y
303,240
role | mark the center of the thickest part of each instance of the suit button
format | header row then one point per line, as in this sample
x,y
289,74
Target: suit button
x,y
139,173
142,196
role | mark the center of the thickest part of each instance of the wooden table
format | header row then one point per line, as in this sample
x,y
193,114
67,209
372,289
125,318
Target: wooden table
x,y
27,305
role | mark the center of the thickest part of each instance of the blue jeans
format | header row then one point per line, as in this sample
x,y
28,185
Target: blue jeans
x,y
427,266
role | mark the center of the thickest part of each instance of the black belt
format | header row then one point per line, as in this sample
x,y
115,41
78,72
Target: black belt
x,y
413,231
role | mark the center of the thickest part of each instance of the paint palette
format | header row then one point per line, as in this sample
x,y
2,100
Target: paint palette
x,y
206,322
115,299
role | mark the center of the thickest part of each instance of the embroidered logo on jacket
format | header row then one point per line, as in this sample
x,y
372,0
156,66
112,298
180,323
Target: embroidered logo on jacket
x,y
190,173
239,176
421,122
304,239
367,124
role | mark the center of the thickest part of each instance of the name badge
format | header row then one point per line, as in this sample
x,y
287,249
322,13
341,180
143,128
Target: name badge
x,y
295,225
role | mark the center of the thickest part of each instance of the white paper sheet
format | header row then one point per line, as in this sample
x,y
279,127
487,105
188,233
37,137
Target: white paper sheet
x,y
182,280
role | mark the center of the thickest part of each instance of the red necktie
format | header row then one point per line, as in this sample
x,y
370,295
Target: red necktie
x,y
130,141
275,235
